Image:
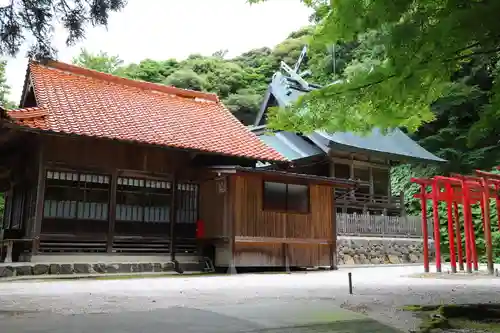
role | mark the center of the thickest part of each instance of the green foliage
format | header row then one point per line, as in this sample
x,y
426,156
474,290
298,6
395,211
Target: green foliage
x,y
35,19
408,52
4,88
150,70
101,62
186,79
454,135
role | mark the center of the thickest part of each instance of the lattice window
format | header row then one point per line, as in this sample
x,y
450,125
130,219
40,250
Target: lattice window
x,y
73,195
187,203
143,200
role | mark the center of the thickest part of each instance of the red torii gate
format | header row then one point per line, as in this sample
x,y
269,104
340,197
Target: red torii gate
x,y
464,190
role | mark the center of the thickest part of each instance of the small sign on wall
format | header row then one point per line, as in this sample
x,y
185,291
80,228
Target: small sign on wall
x,y
221,185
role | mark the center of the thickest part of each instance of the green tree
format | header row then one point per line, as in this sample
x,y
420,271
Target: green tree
x,y
151,70
101,61
4,88
186,79
21,20
244,104
408,51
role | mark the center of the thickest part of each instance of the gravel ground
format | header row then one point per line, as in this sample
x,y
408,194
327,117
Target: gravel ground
x,y
265,299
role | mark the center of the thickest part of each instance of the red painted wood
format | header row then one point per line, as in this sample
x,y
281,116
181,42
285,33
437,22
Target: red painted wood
x,y
458,235
437,235
449,204
425,231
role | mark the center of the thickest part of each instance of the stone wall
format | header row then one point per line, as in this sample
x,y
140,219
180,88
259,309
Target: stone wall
x,y
37,269
378,250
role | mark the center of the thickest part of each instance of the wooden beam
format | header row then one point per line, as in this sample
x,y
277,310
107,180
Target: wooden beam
x,y
279,240
355,162
40,194
112,211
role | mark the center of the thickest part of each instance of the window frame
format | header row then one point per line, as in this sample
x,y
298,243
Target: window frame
x,y
141,190
287,210
76,176
193,201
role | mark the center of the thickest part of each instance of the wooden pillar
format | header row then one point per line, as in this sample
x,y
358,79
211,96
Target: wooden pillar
x,y
372,187
425,231
351,167
458,237
40,194
332,168
333,232
8,210
402,203
389,188
173,216
284,247
351,175
437,234
112,210
487,226
229,220
451,229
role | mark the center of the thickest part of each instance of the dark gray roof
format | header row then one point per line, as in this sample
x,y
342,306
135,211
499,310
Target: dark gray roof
x,y
290,145
394,144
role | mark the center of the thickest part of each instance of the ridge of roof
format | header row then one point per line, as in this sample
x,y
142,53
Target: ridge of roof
x,y
90,73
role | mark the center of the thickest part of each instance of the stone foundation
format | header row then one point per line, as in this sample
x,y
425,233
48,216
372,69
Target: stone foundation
x,y
39,269
378,250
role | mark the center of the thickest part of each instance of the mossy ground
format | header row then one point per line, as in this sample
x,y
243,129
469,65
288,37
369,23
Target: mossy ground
x,y
485,317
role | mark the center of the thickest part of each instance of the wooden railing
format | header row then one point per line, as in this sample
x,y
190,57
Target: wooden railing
x,y
384,201
381,226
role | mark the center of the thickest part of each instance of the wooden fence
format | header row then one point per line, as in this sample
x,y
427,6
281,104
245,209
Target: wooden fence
x,y
381,226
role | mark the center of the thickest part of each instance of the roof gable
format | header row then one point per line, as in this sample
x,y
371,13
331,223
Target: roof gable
x,y
396,145
80,101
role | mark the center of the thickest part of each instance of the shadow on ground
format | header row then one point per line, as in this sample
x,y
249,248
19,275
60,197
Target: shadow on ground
x,y
350,326
180,319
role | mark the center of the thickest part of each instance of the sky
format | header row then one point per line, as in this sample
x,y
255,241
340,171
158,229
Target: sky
x,y
162,29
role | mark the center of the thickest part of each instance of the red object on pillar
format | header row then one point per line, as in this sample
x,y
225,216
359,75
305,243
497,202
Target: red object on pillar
x,y
200,229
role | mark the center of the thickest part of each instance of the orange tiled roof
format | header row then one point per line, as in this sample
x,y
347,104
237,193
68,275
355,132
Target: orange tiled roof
x,y
79,101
